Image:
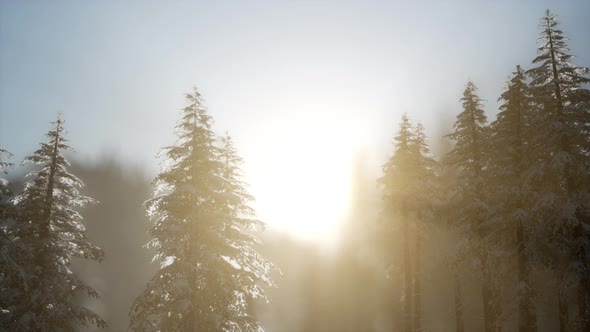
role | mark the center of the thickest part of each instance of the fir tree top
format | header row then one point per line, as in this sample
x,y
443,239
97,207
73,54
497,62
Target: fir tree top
x,y
410,171
556,82
4,190
511,127
470,133
3,164
204,236
50,225
563,103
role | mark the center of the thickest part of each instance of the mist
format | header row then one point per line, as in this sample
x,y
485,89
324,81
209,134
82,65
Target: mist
x,y
286,166
347,286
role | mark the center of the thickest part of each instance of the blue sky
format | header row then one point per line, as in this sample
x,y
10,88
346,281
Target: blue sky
x,y
301,85
118,69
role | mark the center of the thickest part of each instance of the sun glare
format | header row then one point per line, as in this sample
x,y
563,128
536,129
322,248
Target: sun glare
x,y
303,184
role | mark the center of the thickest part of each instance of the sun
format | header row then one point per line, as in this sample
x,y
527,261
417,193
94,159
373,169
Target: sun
x,y
302,184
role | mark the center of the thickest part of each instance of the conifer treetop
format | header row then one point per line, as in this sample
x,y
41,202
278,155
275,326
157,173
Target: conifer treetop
x,y
470,133
554,68
50,227
511,128
4,190
204,234
4,154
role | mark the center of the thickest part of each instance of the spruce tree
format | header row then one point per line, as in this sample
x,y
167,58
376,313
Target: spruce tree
x,y
449,179
471,136
5,190
50,226
204,237
4,154
508,163
395,183
5,221
409,184
424,193
241,232
561,146
11,273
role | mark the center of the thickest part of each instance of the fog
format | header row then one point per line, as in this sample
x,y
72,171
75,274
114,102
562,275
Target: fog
x,y
348,286
372,227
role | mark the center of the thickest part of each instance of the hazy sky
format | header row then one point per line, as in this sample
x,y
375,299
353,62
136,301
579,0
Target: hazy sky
x,y
301,85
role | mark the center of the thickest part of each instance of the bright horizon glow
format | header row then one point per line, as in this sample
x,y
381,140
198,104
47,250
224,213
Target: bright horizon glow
x,y
302,186
301,86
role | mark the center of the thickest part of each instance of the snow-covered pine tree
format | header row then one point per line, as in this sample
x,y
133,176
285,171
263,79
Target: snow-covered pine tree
x,y
5,221
395,184
561,146
252,271
5,190
408,183
471,136
507,167
51,227
426,202
4,164
209,268
11,272
448,179
454,257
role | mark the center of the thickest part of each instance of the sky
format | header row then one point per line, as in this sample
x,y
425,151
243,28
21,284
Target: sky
x,y
302,86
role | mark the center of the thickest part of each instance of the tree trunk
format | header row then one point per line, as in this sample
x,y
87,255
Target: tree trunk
x,y
43,255
583,305
417,283
527,318
487,295
563,312
584,277
458,303
408,296
193,250
497,309
569,179
46,221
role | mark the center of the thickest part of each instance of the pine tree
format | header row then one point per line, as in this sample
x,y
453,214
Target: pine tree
x,y
424,195
203,234
561,146
409,184
5,229
458,301
11,274
451,203
470,136
3,164
508,164
5,190
395,183
253,271
51,227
